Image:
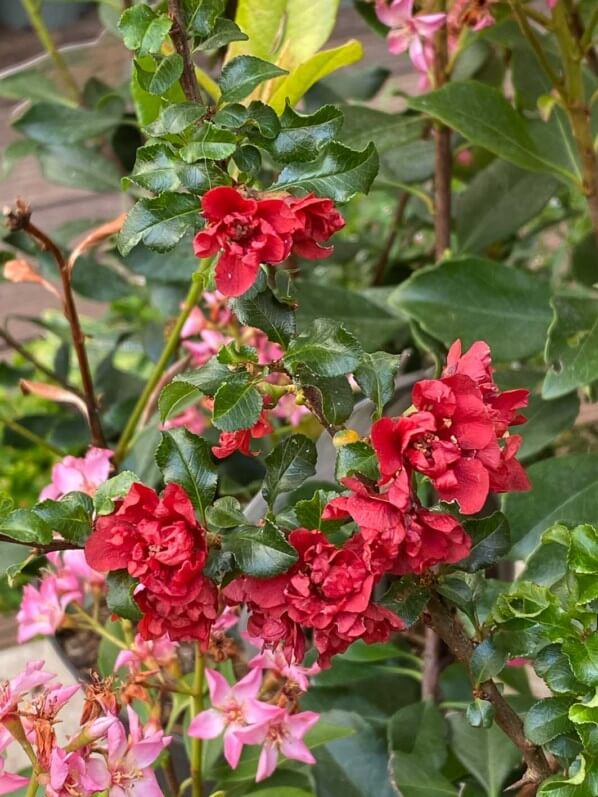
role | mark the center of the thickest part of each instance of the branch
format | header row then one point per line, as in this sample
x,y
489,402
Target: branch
x,y
178,35
20,219
55,545
431,662
443,155
450,630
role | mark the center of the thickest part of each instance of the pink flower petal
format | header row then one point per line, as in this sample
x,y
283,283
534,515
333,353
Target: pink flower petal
x,y
297,750
233,747
249,686
218,686
427,24
399,40
207,725
267,762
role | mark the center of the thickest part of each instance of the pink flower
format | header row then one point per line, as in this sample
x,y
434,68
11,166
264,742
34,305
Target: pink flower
x,y
282,734
42,610
9,782
73,773
276,661
228,619
408,31
288,409
233,708
13,691
192,419
149,653
82,474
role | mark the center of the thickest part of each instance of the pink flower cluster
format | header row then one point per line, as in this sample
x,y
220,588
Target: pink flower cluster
x,y
102,756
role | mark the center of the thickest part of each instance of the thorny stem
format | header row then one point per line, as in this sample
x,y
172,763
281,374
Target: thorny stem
x,y
442,146
27,434
450,630
33,10
178,35
156,375
20,219
197,744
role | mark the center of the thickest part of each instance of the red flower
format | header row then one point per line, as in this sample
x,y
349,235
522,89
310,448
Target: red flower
x,y
318,221
180,621
251,230
229,442
432,538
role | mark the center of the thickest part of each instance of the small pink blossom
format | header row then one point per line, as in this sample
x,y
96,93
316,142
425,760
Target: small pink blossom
x,y
191,418
9,782
276,661
288,409
13,691
408,31
43,610
82,474
233,708
75,773
282,734
226,620
149,653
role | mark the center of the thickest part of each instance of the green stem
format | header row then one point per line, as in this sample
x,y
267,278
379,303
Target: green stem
x,y
197,744
169,349
99,629
32,787
32,437
33,10
536,45
586,39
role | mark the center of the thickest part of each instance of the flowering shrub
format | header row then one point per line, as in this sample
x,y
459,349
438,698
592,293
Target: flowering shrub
x,y
291,490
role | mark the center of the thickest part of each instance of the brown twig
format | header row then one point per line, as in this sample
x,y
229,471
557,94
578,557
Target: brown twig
x,y
431,665
450,630
178,35
394,231
442,151
20,219
55,545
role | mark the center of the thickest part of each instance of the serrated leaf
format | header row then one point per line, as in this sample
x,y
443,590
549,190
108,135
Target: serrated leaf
x,y
376,377
548,719
201,15
113,489
263,311
487,661
583,657
119,598
176,397
490,541
176,119
236,406
407,599
553,666
309,511
78,166
24,525
159,222
357,458
241,75
155,168
583,549
166,75
302,136
209,143
185,458
288,466
225,513
224,32
338,173
262,552
210,376
332,395
59,124
572,347
71,516
144,30
327,349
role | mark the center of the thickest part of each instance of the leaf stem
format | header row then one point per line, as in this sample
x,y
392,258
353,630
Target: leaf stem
x,y
27,434
197,707
99,629
169,349
33,11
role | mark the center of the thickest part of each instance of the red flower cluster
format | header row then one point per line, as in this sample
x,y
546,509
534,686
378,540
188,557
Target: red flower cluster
x,y
240,440
328,590
249,231
159,542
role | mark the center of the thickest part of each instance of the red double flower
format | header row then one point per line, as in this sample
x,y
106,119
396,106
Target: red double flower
x,y
249,230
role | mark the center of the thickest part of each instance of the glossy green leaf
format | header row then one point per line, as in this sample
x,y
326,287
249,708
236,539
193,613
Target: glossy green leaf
x,y
490,541
288,466
119,598
332,395
480,713
553,666
201,15
264,311
357,458
224,32
487,661
262,551
144,30
59,124
414,777
78,167
302,136
545,421
241,75
583,550
388,131
236,406
327,350
185,458
376,377
583,657
309,511
407,599
209,377
31,84
111,490
24,525
473,299
547,719
225,513
176,119
572,348
159,222
209,142
156,168
338,173
166,75
71,516
565,490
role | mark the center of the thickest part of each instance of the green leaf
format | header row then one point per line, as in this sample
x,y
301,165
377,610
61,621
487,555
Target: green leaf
x,y
309,511
31,84
185,458
583,550
490,541
24,525
71,516
78,167
473,299
262,22
175,119
545,421
144,30
487,661
565,490
113,489
59,124
119,599
201,15
583,656
487,753
236,406
480,713
583,259
553,666
302,136
159,222
338,173
327,350
585,713
308,25
15,151
421,730
572,347
332,395
166,75
547,719
388,131
407,599
262,552
241,75
224,32
415,778
208,378
264,311
498,202
483,116
288,466
357,458
376,377
156,167
225,513
209,142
